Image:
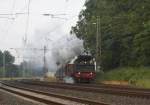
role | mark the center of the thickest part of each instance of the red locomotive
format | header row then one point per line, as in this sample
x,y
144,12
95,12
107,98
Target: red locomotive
x,y
82,69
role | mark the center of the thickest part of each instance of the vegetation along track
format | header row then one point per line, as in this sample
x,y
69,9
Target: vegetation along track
x,y
73,99
101,88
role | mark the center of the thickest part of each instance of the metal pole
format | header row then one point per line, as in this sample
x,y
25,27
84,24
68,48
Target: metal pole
x,y
44,59
3,64
23,68
98,44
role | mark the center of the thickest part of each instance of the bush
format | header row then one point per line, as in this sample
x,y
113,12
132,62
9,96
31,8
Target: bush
x,y
135,76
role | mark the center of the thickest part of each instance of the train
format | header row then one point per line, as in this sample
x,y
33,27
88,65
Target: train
x,y
80,69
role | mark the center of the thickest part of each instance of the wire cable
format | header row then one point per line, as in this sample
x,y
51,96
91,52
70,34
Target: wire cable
x,y
27,23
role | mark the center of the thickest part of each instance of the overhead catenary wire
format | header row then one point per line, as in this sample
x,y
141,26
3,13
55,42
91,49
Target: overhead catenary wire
x,y
12,9
25,36
13,18
7,18
58,26
27,23
13,6
10,19
23,9
13,14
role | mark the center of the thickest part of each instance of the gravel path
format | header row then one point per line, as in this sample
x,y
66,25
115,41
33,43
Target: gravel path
x,y
9,99
108,98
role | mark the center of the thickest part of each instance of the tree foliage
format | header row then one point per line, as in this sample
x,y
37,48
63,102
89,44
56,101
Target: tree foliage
x,y
125,29
1,58
10,68
9,59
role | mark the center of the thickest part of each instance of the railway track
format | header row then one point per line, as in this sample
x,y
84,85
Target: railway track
x,y
109,89
45,97
98,85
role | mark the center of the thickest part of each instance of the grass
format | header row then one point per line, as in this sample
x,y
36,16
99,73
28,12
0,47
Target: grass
x,y
135,76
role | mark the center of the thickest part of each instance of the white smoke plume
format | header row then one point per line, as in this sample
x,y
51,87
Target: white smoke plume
x,y
60,48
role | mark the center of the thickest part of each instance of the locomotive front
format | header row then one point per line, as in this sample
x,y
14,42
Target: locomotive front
x,y
84,69
80,69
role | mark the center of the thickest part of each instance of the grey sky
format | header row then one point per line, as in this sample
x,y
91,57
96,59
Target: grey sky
x,y
13,30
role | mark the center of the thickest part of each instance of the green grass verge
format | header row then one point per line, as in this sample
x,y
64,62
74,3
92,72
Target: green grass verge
x,y
135,76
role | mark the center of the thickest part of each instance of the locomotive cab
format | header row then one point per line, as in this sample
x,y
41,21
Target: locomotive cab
x,y
84,68
81,69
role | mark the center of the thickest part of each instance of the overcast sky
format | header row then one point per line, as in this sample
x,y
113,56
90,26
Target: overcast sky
x,y
13,27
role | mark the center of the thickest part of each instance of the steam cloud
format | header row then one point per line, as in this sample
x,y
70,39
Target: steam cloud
x,y
60,48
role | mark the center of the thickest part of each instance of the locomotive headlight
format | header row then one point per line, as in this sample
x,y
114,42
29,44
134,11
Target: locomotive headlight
x,y
91,73
79,73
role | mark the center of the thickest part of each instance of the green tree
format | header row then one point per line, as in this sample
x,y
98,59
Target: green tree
x,y
1,58
9,59
124,28
142,46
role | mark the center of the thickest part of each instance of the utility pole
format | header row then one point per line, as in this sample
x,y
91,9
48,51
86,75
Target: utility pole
x,y
45,69
23,68
98,44
4,65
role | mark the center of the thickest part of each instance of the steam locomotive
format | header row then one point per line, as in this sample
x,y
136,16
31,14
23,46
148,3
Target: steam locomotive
x,y
81,69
